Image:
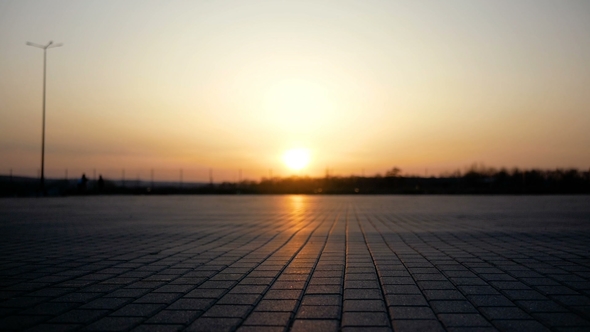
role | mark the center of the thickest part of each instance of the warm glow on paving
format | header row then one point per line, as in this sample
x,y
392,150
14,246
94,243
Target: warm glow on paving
x,y
296,159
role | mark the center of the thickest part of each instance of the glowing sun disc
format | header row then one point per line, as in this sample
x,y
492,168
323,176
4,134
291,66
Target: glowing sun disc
x,y
296,159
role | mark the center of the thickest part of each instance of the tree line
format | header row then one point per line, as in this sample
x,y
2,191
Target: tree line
x,y
474,180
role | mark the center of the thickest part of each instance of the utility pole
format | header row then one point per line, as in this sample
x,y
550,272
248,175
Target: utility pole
x,y
44,48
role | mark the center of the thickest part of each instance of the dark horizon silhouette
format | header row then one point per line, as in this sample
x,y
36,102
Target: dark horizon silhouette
x,y
474,180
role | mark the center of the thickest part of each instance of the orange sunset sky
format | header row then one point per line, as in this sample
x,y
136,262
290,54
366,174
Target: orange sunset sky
x,y
230,85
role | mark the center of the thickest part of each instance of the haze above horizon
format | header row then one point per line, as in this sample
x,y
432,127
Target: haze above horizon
x,y
358,85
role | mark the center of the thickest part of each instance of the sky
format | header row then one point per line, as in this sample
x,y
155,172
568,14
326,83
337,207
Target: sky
x,y
363,86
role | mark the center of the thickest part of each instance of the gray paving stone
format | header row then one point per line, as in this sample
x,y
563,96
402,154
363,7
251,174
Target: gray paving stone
x,y
17,322
205,293
398,280
401,289
336,263
412,325
366,328
406,300
191,304
224,310
315,325
331,281
503,313
443,295
321,300
364,319
400,313
55,327
138,310
182,317
213,324
573,300
259,328
130,293
174,289
268,318
361,284
452,307
463,320
490,301
288,285
276,305
79,316
282,294
326,274
247,299
248,289
541,306
361,276
519,325
364,305
68,298
479,290
158,328
48,308
362,294
562,319
428,284
318,312
324,289
114,324
105,303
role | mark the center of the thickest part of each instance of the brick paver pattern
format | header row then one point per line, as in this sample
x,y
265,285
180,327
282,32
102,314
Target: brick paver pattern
x,y
298,263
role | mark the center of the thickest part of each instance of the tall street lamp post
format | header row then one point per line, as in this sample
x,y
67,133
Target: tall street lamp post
x,y
44,48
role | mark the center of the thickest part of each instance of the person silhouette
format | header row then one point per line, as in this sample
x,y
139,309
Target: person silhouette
x,y
100,183
82,183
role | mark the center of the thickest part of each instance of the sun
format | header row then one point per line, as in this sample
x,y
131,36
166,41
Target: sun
x,y
296,159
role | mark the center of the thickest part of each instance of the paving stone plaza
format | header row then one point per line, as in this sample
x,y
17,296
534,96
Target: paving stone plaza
x,y
295,263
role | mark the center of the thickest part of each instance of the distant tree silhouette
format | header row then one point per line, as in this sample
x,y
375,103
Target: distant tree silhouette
x,y
476,179
393,173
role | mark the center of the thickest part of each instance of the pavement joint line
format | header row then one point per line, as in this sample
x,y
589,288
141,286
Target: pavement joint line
x,y
108,313
383,297
433,262
307,281
501,291
451,281
269,286
346,255
251,269
211,259
580,313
